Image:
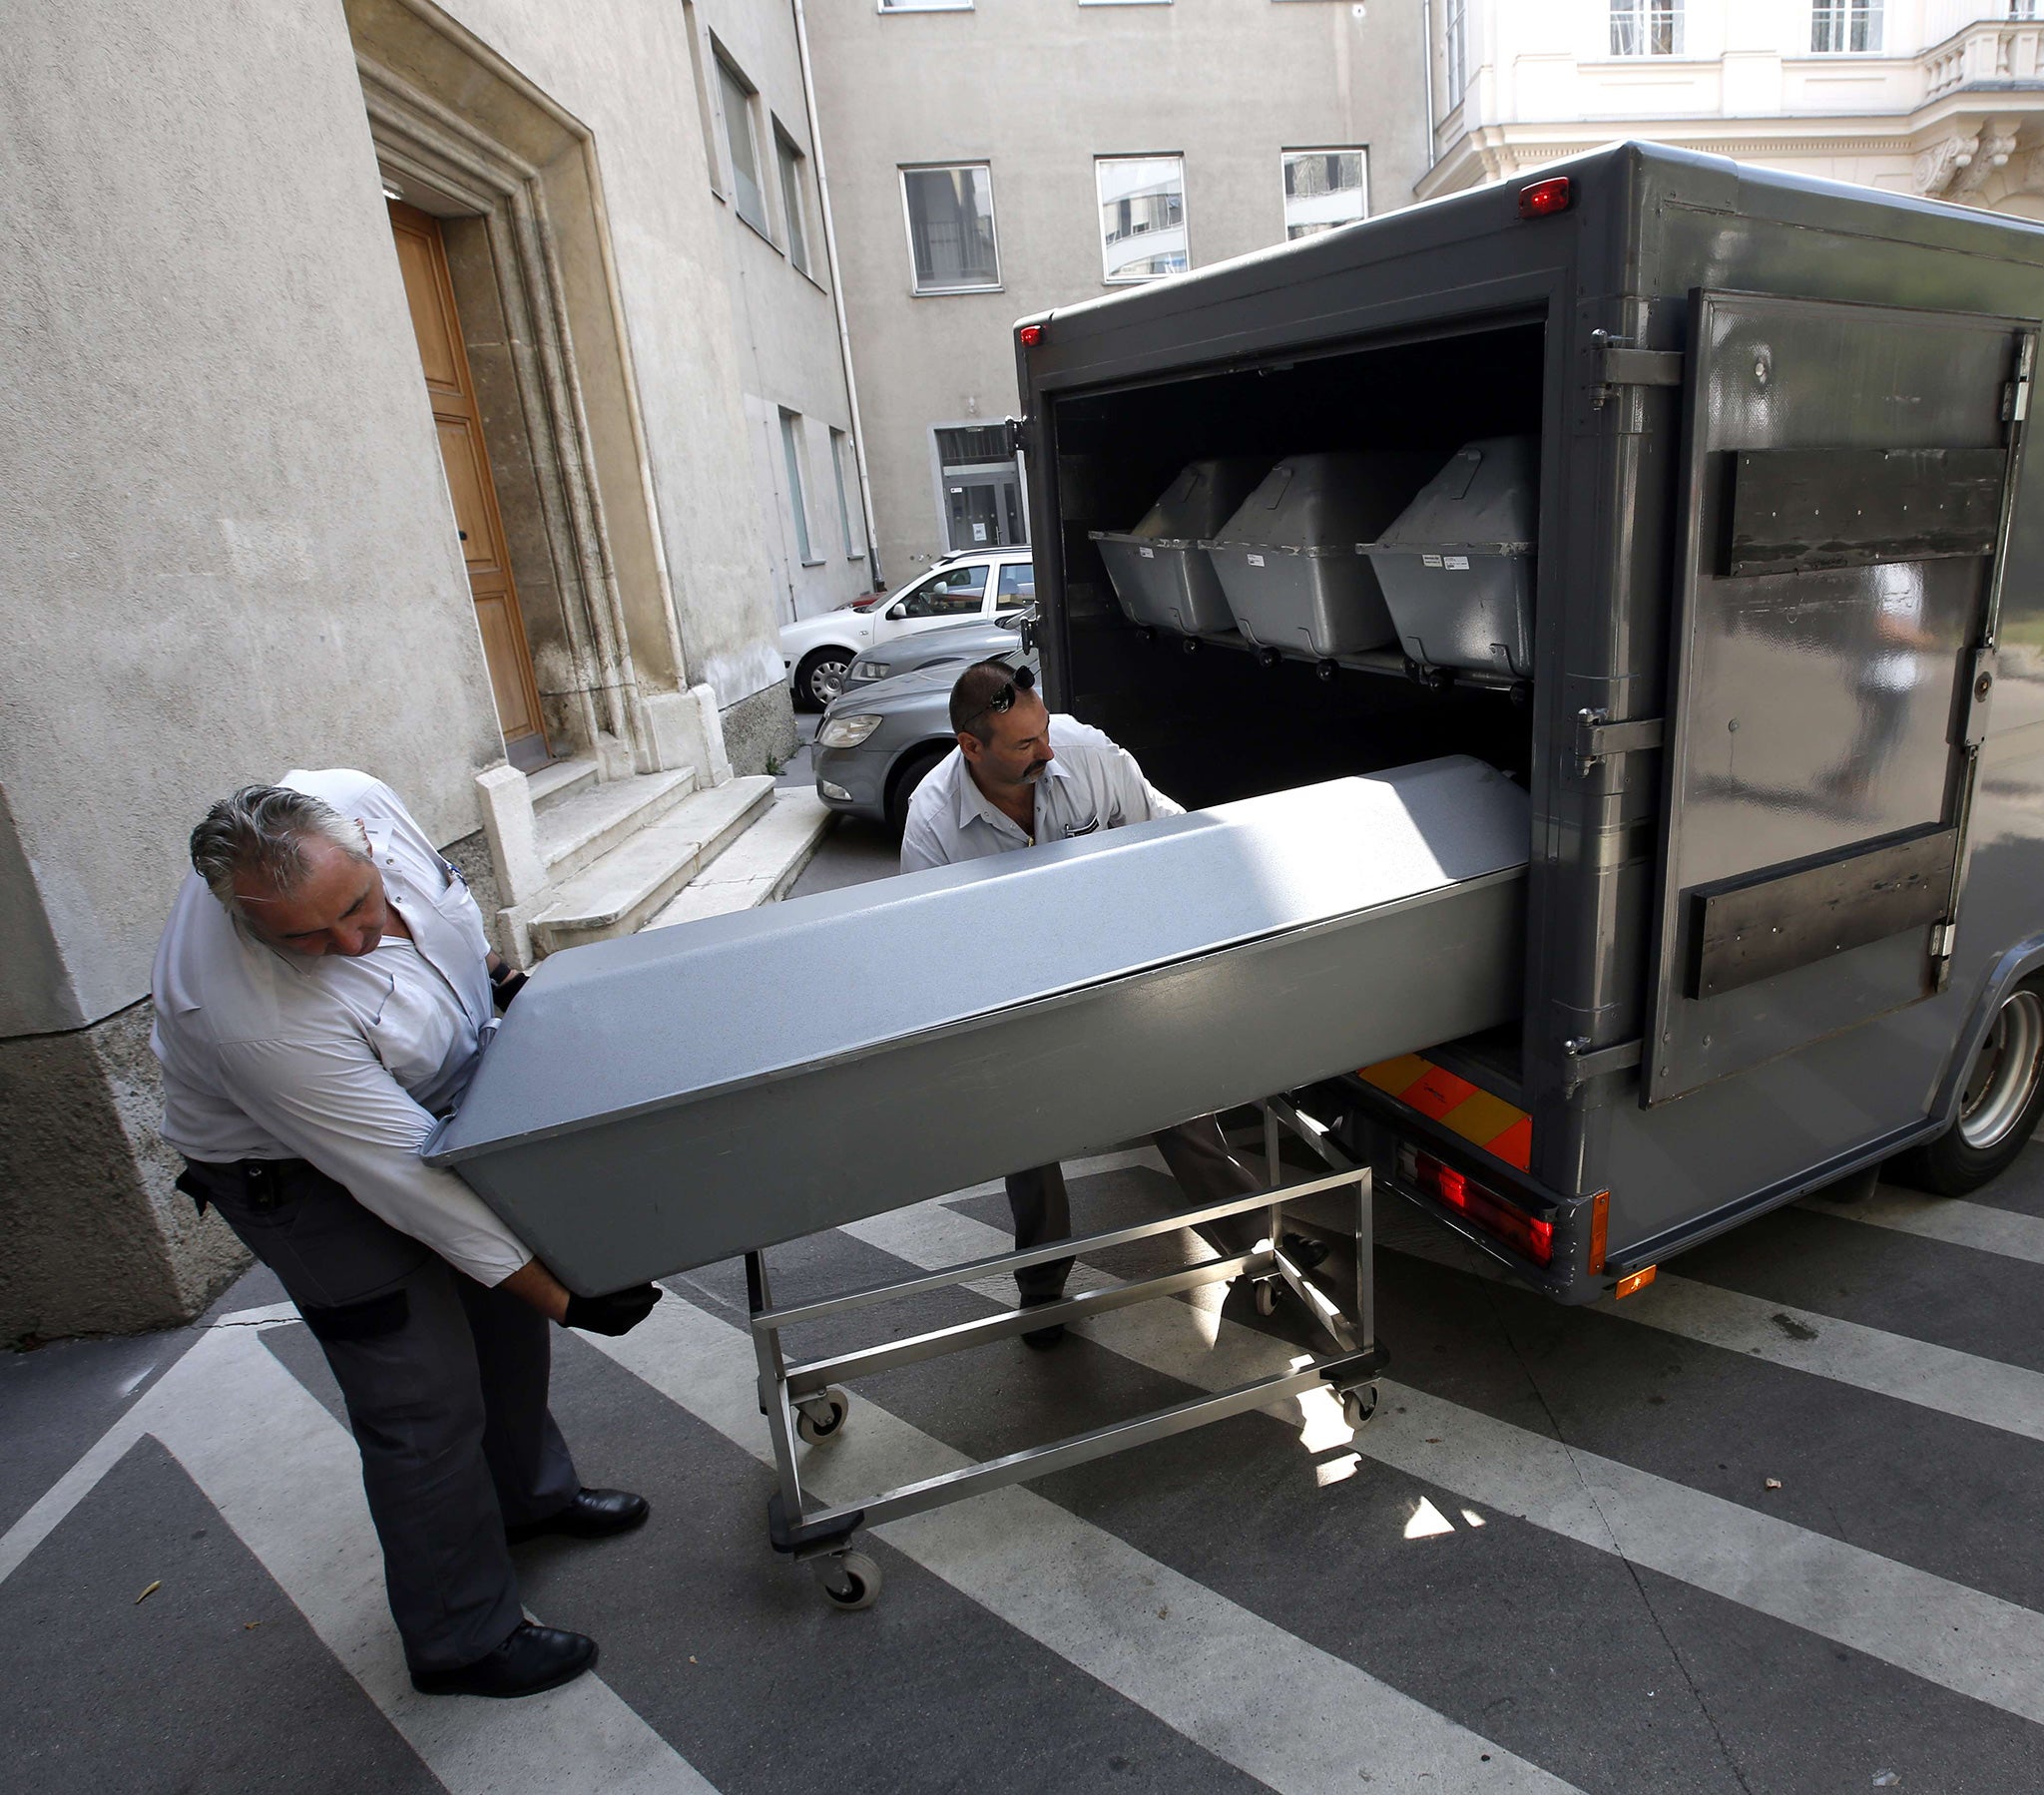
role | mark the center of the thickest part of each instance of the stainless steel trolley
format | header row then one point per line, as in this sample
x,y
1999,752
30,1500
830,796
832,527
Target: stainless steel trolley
x,y
805,1400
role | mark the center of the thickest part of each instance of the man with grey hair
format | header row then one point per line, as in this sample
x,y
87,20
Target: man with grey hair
x,y
322,993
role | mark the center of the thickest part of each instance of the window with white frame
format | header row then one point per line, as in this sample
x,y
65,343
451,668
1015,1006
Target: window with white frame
x,y
704,112
735,92
1841,27
951,215
791,452
847,531
794,197
1325,188
1457,22
1141,216
1645,27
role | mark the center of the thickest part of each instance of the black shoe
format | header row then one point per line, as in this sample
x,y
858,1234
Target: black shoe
x,y
1304,1250
593,1515
1043,1339
532,1660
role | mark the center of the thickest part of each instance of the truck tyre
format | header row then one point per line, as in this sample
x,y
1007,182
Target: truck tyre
x,y
1999,1104
915,767
821,678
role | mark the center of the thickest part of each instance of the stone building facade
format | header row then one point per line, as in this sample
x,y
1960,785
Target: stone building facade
x,y
384,387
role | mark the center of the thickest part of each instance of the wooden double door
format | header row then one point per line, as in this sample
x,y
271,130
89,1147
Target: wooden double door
x,y
422,255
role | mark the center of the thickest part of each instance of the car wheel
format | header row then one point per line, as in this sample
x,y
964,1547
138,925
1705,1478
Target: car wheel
x,y
1999,1105
914,769
821,678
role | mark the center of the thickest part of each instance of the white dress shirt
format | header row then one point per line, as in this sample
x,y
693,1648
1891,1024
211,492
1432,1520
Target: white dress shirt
x,y
1092,783
342,1061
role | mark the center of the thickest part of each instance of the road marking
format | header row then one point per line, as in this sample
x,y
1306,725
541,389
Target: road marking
x,y
287,1479
1297,1718
1962,1638
1946,1219
2009,1398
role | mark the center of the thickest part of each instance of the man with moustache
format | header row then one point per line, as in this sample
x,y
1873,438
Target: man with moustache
x,y
1023,775
323,992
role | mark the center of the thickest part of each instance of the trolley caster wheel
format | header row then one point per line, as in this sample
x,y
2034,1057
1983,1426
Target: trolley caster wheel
x,y
1190,645
1357,1406
820,1418
1326,670
1266,1296
851,1580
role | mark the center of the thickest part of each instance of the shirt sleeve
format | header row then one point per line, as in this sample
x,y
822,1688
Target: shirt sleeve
x,y
333,1103
922,846
1134,796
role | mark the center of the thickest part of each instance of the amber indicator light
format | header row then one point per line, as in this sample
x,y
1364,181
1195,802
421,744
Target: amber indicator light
x,y
1545,198
1638,1280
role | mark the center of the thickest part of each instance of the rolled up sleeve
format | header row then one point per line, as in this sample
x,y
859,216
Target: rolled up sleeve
x,y
334,1105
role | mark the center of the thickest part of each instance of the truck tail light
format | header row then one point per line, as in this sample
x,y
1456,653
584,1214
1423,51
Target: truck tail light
x,y
1526,1234
1030,335
1543,199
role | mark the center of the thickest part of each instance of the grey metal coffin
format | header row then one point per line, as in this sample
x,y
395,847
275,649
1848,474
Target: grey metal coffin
x,y
672,1099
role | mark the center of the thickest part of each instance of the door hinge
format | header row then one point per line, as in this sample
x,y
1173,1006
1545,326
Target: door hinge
x,y
1582,1062
1945,937
1598,738
1014,428
1614,362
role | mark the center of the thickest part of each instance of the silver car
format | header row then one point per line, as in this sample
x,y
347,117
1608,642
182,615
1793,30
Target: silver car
x,y
879,739
958,642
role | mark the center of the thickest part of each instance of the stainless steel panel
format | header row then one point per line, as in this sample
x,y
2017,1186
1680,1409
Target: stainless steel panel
x,y
1813,711
661,1101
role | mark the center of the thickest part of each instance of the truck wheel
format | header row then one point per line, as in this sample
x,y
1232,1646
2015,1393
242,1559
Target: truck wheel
x,y
1998,1104
821,678
916,769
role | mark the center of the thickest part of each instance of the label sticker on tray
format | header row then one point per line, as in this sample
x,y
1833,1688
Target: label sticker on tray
x,y
1458,564
1255,561
1147,554
1430,560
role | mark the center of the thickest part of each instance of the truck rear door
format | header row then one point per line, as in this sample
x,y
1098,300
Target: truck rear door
x,y
1845,506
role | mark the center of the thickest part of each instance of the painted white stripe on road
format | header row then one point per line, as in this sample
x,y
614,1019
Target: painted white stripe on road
x,y
287,1479
1945,1632
2009,1398
1947,1218
1297,1718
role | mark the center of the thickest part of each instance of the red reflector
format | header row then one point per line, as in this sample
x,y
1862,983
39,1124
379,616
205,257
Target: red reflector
x,y
1527,1233
1545,197
1032,334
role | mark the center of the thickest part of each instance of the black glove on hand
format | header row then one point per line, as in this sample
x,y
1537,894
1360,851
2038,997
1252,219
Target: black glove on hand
x,y
618,1313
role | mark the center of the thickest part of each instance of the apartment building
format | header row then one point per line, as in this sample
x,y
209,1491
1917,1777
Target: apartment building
x,y
1938,98
992,158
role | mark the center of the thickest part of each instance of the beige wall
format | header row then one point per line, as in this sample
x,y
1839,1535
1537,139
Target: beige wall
x,y
227,550
1038,87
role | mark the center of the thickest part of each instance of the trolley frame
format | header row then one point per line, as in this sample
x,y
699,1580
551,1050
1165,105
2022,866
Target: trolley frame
x,y
795,1391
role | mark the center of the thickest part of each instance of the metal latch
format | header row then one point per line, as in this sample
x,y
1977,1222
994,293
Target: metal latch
x,y
1014,427
1616,363
1979,696
1945,937
1598,738
2015,396
1583,1062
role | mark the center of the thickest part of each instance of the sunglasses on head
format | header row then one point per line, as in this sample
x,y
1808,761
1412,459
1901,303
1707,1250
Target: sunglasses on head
x,y
1004,698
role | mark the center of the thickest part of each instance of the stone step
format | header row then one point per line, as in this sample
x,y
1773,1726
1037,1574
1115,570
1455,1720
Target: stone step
x,y
760,865
633,881
560,779
579,830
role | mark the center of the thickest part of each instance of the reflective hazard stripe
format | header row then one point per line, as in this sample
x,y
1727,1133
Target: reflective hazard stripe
x,y
1479,1118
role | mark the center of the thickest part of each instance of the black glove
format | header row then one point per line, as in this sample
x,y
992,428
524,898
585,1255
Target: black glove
x,y
505,984
618,1313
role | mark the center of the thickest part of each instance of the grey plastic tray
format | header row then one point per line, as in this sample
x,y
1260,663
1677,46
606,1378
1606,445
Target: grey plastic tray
x,y
1162,576
1457,565
1288,559
661,1101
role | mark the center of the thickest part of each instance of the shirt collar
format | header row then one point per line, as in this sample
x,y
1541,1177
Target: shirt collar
x,y
973,804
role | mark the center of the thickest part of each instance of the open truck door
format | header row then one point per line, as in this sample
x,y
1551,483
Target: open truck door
x,y
1843,517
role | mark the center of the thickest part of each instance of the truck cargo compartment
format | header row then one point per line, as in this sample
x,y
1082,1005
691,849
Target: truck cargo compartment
x,y
649,1105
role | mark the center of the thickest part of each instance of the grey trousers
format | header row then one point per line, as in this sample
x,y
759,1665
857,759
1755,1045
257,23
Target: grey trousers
x,y
446,1389
1199,1156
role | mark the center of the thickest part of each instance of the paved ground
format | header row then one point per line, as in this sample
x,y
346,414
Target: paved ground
x,y
1557,1559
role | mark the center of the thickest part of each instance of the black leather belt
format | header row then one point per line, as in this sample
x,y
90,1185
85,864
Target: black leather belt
x,y
261,1181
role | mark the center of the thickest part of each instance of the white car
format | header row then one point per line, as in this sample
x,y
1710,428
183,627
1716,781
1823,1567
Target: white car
x,y
816,651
